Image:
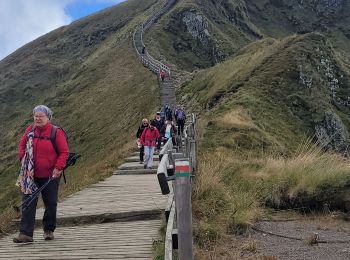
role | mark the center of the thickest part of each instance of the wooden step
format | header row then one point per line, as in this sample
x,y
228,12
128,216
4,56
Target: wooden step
x,y
136,171
135,165
137,159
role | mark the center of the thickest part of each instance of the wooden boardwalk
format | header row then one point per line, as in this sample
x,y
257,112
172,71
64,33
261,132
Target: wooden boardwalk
x,y
117,240
130,204
118,218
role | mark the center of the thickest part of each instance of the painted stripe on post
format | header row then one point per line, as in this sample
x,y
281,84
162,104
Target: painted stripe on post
x,y
183,174
182,168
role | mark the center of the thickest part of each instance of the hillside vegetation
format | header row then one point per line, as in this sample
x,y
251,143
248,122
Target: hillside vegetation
x,y
88,73
270,82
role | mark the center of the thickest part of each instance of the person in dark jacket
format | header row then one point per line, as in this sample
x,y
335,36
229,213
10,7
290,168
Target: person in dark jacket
x,y
138,136
180,120
40,161
159,123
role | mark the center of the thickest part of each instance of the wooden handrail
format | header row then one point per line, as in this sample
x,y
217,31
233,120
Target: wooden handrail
x,y
154,65
168,248
179,231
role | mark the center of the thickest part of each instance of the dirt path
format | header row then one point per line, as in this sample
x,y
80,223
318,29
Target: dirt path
x,y
325,238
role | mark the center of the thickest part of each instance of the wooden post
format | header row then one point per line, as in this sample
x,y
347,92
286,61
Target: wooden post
x,y
194,156
184,208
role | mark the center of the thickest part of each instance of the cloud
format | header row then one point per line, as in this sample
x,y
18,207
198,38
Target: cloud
x,y
22,21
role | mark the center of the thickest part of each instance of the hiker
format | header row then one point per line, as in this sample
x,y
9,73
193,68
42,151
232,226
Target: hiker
x,y
159,123
168,131
143,50
168,113
148,139
162,75
180,120
138,136
40,162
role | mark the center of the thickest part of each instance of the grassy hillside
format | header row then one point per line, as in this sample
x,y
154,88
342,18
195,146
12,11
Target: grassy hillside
x,y
263,75
200,33
258,115
266,80
88,73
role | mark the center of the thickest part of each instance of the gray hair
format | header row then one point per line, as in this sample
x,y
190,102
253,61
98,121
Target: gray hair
x,y
41,108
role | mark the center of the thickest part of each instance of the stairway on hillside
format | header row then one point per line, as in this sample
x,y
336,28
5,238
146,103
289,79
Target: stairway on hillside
x,y
117,218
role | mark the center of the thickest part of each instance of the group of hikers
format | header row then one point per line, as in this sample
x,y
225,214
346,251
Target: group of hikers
x,y
44,154
151,134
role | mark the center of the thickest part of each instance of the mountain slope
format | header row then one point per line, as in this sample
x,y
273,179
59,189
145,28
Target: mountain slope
x,y
88,73
285,87
201,33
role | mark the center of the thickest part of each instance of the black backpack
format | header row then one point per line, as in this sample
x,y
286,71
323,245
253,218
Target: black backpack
x,y
72,157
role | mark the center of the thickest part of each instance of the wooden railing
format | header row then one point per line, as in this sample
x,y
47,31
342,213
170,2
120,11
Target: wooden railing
x,y
179,167
146,58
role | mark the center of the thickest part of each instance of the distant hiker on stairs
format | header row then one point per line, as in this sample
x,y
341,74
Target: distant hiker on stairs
x,y
180,118
138,136
162,75
40,163
148,139
159,123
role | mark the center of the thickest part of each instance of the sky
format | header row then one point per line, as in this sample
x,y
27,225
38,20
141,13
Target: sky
x,y
22,21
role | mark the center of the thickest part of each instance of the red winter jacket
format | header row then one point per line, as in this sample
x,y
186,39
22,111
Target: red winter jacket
x,y
149,137
45,156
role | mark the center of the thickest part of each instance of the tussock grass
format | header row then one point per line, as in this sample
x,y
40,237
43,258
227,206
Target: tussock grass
x,y
231,191
311,179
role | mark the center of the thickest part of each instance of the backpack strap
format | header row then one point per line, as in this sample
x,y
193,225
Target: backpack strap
x,y
53,141
53,137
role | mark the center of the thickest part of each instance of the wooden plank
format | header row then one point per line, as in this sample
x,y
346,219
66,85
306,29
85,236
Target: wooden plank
x,y
123,194
168,249
117,240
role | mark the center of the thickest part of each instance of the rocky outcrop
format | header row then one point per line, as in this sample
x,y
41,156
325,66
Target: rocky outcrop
x,y
331,133
197,37
197,27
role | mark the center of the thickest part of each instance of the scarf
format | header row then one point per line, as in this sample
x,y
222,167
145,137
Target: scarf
x,y
26,176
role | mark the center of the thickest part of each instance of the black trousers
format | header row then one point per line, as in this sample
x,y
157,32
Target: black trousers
x,y
180,126
142,153
50,197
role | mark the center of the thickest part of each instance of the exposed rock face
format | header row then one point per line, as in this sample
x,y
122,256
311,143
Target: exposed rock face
x,y
320,7
202,44
197,27
332,134
319,69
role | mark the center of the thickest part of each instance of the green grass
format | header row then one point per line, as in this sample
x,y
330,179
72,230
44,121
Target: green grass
x,y
99,101
253,155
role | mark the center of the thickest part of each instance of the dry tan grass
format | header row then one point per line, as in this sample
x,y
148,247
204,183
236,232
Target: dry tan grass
x,y
237,118
210,168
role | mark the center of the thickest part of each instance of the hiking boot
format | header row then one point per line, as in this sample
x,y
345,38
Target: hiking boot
x,y
48,235
22,238
141,162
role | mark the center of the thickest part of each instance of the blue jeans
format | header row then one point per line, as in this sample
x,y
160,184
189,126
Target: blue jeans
x,y
50,197
149,151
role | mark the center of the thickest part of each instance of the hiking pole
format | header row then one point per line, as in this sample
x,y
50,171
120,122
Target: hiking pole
x,y
24,205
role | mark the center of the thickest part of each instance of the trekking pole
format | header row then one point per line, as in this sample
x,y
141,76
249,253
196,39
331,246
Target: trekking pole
x,y
24,205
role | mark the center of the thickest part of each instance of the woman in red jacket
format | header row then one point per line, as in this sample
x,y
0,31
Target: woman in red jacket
x,y
40,162
148,140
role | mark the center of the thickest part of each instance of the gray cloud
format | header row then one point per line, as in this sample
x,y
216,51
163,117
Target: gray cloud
x,y
22,21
